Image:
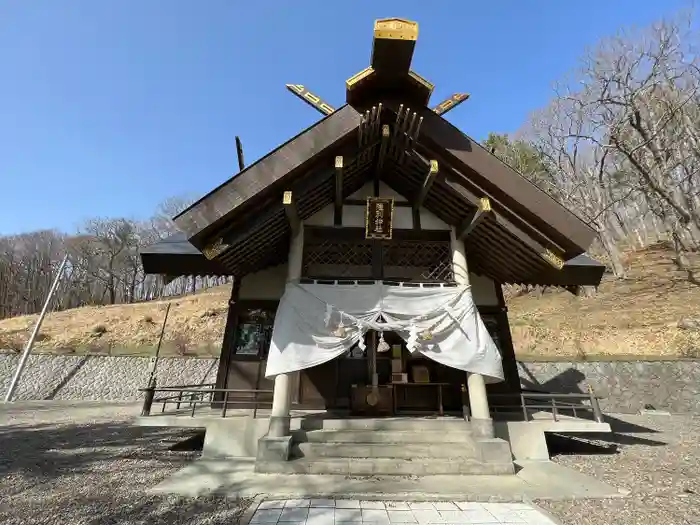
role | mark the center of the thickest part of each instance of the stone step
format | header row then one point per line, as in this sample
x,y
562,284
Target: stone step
x,y
385,423
386,450
384,436
384,467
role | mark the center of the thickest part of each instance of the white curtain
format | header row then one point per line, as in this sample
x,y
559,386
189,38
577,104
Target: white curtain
x,y
319,322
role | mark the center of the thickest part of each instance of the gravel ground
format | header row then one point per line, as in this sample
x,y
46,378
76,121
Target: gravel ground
x,y
89,466
68,463
658,461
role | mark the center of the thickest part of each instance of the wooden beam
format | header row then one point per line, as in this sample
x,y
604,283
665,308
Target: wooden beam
x,y
455,180
338,204
550,255
472,221
427,183
545,253
450,103
270,209
473,160
311,99
363,203
239,153
290,208
386,133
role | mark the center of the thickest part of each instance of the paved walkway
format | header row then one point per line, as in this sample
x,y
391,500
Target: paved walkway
x,y
342,511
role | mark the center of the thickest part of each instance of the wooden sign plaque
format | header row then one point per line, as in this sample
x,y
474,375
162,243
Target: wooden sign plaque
x,y
379,220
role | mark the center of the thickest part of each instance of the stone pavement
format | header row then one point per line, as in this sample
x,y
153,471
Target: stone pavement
x,y
347,511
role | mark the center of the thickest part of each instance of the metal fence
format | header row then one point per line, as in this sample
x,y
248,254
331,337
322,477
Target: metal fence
x,y
194,396
575,404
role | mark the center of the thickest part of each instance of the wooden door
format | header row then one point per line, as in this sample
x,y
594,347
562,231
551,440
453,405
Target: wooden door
x,y
353,369
318,386
248,359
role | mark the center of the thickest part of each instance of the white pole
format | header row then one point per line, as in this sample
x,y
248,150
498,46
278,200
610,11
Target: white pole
x,y
30,343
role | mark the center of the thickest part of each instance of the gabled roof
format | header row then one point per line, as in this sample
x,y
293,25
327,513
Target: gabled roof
x,y
242,225
246,213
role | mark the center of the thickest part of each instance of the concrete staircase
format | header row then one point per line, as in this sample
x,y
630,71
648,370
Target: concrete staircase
x,y
391,446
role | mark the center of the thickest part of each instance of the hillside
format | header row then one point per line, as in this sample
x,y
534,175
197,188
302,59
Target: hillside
x,y
637,316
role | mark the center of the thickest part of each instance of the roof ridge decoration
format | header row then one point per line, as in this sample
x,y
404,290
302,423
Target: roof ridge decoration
x,y
396,29
389,75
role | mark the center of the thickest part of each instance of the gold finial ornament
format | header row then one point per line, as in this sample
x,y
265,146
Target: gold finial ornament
x,y
396,29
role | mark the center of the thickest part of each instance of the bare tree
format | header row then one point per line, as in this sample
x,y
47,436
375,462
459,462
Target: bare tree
x,y
580,173
643,89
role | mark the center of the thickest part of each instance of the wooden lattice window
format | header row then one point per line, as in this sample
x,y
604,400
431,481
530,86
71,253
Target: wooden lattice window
x,y
338,259
331,253
429,261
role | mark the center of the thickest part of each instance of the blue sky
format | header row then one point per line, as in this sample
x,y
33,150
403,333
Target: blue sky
x,y
108,107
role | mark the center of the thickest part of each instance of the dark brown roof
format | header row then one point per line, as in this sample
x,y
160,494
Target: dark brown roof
x,y
175,256
246,213
242,225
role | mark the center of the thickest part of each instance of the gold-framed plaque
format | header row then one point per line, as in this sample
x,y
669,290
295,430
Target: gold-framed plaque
x,y
379,219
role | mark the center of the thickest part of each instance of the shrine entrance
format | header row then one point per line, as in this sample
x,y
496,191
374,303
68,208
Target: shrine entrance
x,y
405,383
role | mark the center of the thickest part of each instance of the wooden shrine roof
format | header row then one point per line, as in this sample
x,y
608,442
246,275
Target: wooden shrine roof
x,y
525,237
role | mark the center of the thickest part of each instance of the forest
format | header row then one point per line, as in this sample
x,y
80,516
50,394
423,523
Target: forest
x,y
103,266
618,144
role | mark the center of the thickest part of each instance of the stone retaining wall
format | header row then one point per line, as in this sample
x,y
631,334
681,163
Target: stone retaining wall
x,y
626,386
99,377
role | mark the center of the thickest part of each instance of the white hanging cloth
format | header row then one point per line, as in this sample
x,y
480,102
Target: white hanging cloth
x,y
316,323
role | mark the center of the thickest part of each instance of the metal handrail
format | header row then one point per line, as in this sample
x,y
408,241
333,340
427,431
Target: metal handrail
x,y
193,385
194,395
554,402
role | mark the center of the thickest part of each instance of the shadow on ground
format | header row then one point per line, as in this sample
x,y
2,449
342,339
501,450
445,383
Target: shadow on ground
x,y
97,474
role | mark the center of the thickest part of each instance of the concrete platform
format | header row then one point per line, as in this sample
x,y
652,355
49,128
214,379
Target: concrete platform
x,y
237,435
534,480
527,438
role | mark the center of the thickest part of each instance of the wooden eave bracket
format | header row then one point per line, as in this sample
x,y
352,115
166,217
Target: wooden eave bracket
x,y
291,211
482,211
427,184
550,255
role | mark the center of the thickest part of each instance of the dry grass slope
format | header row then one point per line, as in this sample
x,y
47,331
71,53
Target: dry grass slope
x,y
638,316
195,326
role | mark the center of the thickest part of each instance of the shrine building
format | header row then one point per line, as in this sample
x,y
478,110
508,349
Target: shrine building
x,y
368,255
